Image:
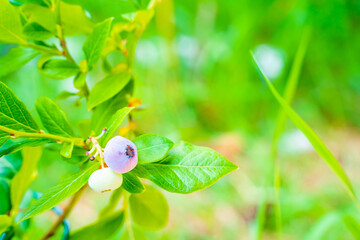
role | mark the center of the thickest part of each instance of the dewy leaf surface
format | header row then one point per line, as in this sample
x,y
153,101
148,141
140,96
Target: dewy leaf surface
x,y
187,168
53,118
54,195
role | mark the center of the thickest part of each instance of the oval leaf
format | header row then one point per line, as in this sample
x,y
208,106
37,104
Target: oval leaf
x,y
152,147
114,124
107,88
131,183
15,59
149,209
10,25
102,229
60,192
14,114
186,168
58,68
53,117
27,174
95,43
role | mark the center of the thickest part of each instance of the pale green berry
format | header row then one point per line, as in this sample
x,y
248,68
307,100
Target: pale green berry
x,y
104,180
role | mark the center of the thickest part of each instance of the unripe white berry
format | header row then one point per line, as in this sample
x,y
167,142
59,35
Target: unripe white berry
x,y
104,180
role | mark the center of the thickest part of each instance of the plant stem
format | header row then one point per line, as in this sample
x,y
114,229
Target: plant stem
x,y
77,141
127,217
43,49
66,212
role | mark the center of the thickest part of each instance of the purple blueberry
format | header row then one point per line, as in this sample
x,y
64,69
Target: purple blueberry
x,y
120,154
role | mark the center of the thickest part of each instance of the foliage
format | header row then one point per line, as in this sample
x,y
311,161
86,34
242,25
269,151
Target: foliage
x,y
39,29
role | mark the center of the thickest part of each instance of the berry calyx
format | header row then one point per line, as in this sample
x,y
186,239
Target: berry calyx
x,y
120,154
105,180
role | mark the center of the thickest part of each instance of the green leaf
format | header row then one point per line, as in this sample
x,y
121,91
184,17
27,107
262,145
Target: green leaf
x,y
14,145
131,183
15,59
13,113
109,8
104,111
58,69
10,165
314,139
52,117
152,147
5,201
54,195
186,168
149,209
273,171
114,200
44,16
10,25
80,80
78,156
74,20
35,31
64,95
27,174
107,88
67,149
114,124
95,43
102,229
132,232
5,222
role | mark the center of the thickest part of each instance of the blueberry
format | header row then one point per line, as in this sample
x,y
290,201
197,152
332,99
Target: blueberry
x,y
104,180
120,154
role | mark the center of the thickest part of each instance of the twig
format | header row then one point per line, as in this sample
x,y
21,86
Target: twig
x,y
66,212
77,141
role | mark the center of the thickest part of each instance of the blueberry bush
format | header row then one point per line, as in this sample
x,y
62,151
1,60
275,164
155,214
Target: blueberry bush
x,y
134,165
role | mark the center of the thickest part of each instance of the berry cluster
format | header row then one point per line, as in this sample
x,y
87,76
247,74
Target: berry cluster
x,y
119,155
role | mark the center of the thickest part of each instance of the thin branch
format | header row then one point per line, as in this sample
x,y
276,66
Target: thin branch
x,y
66,212
77,141
43,49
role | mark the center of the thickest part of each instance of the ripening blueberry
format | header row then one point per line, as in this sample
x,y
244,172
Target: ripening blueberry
x,y
104,180
120,154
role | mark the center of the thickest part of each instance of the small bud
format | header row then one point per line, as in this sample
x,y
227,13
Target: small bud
x,y
104,180
92,158
104,129
120,154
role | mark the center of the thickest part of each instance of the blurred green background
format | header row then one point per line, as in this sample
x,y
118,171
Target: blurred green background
x,y
195,76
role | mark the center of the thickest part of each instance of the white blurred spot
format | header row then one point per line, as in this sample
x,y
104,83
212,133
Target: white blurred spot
x,y
188,47
270,59
295,142
147,53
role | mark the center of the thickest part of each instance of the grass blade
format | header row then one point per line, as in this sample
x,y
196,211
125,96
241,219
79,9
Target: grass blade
x,y
313,138
273,177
